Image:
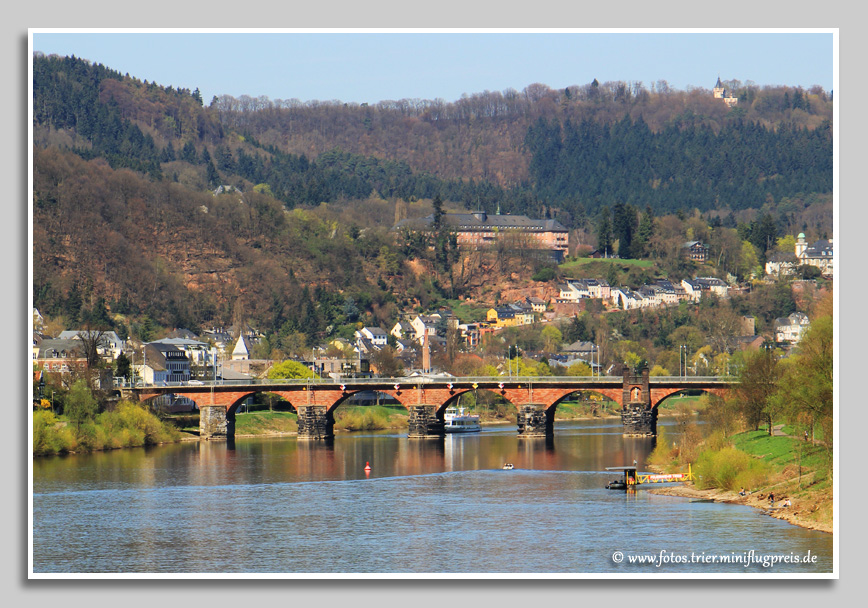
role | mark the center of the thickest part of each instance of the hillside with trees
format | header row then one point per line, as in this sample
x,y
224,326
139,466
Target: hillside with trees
x,y
152,208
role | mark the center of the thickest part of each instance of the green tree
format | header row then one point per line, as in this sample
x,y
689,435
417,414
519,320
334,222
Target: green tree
x,y
644,234
748,260
579,368
806,387
80,405
290,370
604,231
552,338
786,244
123,369
757,383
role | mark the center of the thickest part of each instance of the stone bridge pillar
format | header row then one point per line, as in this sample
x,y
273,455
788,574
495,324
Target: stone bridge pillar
x,y
315,422
534,420
424,423
637,415
214,423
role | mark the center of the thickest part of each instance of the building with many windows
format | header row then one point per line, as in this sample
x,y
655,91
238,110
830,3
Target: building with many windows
x,y
819,254
479,230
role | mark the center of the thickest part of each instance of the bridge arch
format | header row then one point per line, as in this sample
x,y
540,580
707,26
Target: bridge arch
x,y
348,395
614,395
659,395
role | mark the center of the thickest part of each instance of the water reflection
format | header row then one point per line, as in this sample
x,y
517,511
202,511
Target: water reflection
x,y
442,505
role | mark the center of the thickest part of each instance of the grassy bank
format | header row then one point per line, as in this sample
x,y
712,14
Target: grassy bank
x,y
761,464
371,418
584,410
128,425
266,423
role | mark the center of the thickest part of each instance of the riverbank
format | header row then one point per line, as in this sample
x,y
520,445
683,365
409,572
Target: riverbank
x,y
759,464
804,511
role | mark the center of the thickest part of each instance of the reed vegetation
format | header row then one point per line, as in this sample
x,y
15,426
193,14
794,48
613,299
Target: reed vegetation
x,y
127,425
370,418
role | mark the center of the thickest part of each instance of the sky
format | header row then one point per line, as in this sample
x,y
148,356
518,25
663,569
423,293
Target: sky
x,y
372,66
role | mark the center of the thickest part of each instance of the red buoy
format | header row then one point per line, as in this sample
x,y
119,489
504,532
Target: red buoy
x,y
367,466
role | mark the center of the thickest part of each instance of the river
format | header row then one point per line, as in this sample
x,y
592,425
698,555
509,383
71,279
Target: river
x,y
277,505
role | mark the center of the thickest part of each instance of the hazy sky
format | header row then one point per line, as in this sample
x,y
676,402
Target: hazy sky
x,y
374,66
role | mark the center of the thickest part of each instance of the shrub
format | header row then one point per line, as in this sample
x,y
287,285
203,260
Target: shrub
x,y
728,468
50,436
546,273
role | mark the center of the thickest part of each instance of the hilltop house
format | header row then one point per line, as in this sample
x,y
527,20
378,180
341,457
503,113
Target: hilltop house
x,y
720,92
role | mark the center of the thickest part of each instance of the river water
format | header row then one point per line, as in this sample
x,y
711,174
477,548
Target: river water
x,y
278,505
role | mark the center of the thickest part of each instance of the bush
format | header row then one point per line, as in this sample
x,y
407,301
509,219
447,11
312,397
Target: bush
x,y
129,425
134,425
729,469
50,436
546,273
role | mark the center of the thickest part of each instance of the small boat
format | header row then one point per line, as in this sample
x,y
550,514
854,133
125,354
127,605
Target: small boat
x,y
456,421
508,466
627,482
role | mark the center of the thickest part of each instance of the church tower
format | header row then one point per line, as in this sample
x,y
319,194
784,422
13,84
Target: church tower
x,y
719,90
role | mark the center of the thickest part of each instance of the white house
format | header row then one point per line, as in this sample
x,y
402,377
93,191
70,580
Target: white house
x,y
163,364
425,324
402,330
536,304
566,293
598,288
627,299
781,264
375,335
792,328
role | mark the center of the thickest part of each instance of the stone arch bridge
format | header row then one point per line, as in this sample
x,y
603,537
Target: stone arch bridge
x,y
426,399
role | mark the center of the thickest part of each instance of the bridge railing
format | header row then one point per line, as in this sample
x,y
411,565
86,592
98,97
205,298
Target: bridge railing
x,y
463,381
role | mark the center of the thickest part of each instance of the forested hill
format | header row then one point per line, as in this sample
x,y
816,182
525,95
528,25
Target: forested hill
x,y
125,171
562,152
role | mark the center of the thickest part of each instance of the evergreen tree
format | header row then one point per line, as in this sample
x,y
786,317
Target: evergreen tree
x,y
624,225
604,231
644,233
189,154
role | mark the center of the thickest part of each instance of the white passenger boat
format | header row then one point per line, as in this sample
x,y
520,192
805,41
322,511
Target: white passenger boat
x,y
459,422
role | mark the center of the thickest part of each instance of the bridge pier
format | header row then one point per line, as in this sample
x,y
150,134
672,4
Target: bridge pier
x,y
637,415
534,420
315,422
639,421
424,423
214,423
